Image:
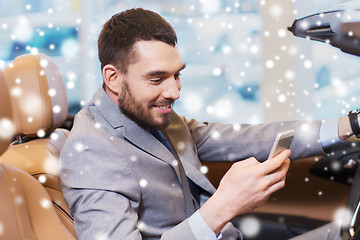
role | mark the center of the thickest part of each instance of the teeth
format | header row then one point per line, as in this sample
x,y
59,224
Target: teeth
x,y
164,106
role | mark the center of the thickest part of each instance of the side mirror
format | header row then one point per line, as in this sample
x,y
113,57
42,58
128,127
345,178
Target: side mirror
x,y
339,27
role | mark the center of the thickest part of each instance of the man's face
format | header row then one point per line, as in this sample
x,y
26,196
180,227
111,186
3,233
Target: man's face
x,y
151,85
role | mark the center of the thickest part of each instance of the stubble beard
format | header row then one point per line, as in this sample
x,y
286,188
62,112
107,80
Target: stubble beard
x,y
138,114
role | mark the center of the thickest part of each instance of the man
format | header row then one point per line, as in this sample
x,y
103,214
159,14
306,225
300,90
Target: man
x,y
131,165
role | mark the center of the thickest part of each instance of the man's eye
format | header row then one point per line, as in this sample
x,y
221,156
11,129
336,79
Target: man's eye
x,y
177,76
156,80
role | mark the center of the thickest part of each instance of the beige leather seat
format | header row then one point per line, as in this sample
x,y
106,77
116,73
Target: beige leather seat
x,y
6,116
39,107
25,207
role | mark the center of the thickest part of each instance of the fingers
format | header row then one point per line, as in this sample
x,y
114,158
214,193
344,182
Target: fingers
x,y
276,179
280,173
247,163
275,162
275,187
258,182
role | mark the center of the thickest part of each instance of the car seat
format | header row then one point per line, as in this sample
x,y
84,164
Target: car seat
x,y
39,106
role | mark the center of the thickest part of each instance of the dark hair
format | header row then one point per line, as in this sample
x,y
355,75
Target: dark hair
x,y
120,33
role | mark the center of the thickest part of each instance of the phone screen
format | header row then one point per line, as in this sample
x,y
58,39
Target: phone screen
x,y
282,142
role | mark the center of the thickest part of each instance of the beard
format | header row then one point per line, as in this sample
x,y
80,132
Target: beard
x,y
142,115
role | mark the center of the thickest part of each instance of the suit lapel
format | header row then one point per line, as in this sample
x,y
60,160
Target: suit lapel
x,y
178,134
148,143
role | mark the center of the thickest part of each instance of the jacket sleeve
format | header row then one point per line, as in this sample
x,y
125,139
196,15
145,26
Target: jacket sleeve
x,y
233,142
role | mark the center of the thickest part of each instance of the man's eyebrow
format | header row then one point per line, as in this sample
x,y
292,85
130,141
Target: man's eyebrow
x,y
160,73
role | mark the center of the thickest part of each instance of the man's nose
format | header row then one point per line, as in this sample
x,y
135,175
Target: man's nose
x,y
172,89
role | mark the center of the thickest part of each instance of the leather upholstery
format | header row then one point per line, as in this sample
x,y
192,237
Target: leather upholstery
x,y
39,157
39,107
26,209
38,93
6,124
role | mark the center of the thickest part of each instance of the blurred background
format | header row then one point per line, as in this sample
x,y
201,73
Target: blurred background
x,y
242,63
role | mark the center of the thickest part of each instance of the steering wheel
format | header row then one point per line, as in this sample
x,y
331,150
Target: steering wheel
x,y
352,230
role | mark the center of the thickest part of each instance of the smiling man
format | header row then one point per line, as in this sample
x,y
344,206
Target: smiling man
x,y
131,165
148,89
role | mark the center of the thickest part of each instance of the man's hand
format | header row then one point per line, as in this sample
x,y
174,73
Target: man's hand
x,y
246,185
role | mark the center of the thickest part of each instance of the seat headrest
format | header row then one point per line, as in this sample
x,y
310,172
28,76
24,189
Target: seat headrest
x,y
7,128
38,94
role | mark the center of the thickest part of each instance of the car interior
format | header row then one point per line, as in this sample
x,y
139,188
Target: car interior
x,y
32,203
32,206
32,199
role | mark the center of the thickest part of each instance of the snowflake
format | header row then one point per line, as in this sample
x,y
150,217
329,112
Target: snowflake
x,y
210,109
50,166
236,126
16,91
44,63
282,33
141,225
216,135
223,108
181,145
217,71
41,133
56,109
204,169
342,217
97,102
231,157
42,179
45,203
7,128
52,92
102,236
254,49
143,183
54,136
305,127
336,166
269,64
97,125
19,200
192,102
281,98
79,147
133,158
70,84
250,226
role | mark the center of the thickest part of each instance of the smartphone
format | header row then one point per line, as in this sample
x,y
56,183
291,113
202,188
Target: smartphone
x,y
282,142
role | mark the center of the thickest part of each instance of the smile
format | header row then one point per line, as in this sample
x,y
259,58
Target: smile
x,y
164,106
164,109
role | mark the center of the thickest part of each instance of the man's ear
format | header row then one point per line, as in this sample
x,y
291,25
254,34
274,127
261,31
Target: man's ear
x,y
112,77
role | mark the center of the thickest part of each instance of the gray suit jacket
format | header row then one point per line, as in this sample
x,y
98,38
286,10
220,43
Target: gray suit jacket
x,y
120,182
